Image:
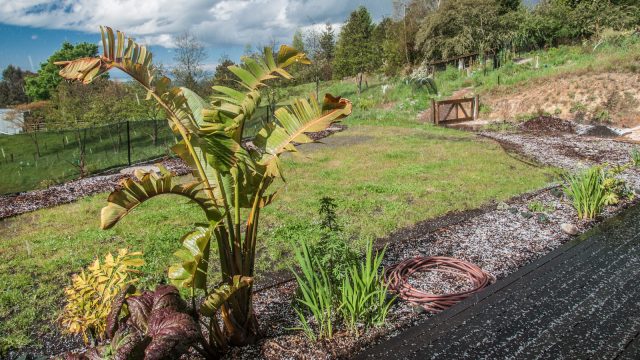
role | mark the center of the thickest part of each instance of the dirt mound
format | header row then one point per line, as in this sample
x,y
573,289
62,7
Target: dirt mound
x,y
601,131
548,124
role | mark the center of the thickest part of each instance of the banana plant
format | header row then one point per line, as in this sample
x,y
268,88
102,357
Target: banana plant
x,y
231,181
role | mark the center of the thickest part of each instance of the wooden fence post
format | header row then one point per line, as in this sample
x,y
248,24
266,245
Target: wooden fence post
x,y
476,106
434,111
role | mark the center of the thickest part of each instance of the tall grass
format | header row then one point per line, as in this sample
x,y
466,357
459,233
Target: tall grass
x,y
363,295
586,192
315,295
361,298
590,191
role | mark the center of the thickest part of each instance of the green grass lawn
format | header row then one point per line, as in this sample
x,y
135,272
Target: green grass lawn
x,y
384,176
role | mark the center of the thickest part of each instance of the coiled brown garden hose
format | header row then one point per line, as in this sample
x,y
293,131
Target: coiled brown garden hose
x,y
398,275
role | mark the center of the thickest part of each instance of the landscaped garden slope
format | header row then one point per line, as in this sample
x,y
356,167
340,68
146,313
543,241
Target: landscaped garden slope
x,y
383,178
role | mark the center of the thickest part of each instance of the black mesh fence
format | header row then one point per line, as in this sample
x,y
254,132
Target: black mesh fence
x,y
36,160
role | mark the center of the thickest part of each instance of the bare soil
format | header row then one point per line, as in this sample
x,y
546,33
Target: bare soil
x,y
548,124
606,97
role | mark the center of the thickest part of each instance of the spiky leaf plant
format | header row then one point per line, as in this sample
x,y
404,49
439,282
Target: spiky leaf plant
x,y
229,177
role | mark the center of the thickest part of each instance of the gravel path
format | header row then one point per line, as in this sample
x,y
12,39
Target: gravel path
x,y
569,151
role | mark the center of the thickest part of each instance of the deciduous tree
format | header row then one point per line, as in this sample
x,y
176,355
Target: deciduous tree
x,y
190,55
41,86
461,27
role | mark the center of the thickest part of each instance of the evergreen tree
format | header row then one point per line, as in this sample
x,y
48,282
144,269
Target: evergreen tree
x,y
355,50
41,86
222,75
328,43
12,86
326,52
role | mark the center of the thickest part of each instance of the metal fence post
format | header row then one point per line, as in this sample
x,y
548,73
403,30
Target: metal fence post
x,y
128,144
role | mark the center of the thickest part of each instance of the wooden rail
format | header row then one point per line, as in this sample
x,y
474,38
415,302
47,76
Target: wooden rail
x,y
455,110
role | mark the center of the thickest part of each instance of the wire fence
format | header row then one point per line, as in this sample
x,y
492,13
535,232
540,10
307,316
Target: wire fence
x,y
39,159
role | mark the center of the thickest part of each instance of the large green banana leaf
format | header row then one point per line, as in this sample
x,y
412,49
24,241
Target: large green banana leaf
x,y
133,193
192,271
222,293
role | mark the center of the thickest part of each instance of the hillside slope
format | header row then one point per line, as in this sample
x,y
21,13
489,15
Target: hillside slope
x,y
608,97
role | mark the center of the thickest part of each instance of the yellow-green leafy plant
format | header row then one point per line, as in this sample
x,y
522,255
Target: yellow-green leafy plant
x,y
93,290
230,181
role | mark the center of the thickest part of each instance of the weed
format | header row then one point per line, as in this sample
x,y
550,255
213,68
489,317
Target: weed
x,y
540,207
602,116
635,157
485,109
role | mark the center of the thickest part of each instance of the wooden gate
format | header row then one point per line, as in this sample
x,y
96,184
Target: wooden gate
x,y
455,110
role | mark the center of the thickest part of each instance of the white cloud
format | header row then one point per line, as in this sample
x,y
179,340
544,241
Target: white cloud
x,y
34,37
215,22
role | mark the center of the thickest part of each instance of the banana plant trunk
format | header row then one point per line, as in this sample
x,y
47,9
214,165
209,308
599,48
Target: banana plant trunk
x,y
237,253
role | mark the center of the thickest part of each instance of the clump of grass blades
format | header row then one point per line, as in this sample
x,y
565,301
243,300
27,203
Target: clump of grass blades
x,y
315,293
595,188
635,157
360,300
364,294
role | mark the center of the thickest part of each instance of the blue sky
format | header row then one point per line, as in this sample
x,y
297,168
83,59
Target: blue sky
x,y
30,30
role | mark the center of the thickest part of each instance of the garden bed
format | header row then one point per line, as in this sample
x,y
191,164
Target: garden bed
x,y
500,240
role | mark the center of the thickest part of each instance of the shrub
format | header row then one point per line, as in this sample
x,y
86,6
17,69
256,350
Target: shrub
x,y
593,189
159,324
92,291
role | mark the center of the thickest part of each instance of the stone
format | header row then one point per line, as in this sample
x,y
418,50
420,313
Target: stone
x,y
569,229
542,218
526,215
